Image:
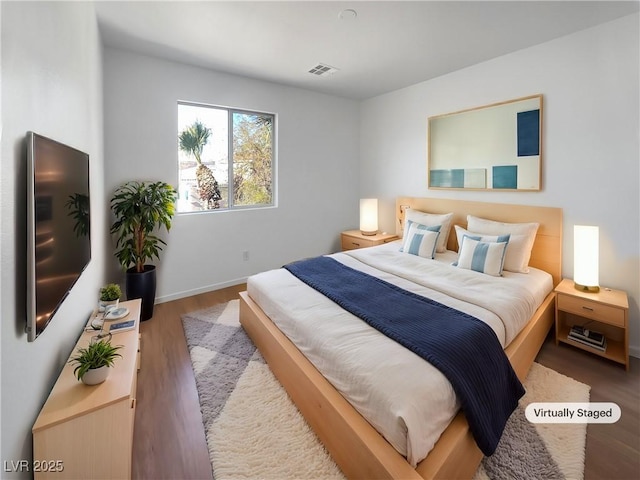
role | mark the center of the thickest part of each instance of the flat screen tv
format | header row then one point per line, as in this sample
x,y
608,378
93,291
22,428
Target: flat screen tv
x,y
58,226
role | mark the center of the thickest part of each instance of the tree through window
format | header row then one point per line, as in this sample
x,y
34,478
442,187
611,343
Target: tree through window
x,y
225,158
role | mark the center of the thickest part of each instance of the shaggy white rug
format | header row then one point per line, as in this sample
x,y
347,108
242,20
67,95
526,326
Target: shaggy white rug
x,y
543,450
254,430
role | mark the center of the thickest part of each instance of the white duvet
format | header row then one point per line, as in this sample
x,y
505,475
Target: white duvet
x,y
405,398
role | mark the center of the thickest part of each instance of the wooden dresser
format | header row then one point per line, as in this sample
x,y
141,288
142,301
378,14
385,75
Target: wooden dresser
x,y
87,431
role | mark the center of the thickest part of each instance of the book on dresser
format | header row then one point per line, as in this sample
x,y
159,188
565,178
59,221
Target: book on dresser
x,y
122,326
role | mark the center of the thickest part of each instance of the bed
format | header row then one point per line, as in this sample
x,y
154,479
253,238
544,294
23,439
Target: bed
x,y
355,445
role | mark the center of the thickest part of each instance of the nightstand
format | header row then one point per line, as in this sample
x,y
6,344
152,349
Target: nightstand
x,y
606,312
353,239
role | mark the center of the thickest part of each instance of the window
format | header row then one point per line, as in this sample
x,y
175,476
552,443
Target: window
x,y
225,158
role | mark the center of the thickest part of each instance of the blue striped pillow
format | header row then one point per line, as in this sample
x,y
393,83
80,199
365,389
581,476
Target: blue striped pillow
x,y
412,227
483,257
461,233
421,240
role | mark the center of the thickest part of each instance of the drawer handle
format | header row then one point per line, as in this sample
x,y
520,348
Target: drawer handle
x,y
356,244
588,308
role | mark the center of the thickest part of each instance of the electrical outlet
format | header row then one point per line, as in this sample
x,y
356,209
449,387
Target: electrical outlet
x,y
403,211
245,255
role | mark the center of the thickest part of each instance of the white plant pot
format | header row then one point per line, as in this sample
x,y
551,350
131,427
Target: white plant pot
x,y
103,305
95,376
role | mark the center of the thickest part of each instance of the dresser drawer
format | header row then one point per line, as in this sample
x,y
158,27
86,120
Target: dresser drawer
x,y
592,310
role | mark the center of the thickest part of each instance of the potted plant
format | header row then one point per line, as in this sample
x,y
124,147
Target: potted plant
x,y
109,295
93,362
140,209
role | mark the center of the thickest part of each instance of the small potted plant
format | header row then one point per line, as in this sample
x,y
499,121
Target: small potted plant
x,y
93,362
109,295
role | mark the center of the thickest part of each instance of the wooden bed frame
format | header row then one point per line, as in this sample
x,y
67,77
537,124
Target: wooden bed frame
x,y
358,449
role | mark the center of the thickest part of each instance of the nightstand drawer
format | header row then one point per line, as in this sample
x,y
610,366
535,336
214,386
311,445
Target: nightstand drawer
x,y
353,239
350,243
592,310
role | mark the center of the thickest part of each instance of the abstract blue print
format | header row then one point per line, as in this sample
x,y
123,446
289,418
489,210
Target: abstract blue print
x,y
447,178
505,176
529,133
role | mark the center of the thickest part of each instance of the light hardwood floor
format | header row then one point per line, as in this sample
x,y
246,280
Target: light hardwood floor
x,y
169,440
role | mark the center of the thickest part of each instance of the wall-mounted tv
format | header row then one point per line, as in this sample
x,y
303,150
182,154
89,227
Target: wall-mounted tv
x,y
58,226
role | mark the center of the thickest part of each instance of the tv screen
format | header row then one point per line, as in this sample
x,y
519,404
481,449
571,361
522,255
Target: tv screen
x,y
58,226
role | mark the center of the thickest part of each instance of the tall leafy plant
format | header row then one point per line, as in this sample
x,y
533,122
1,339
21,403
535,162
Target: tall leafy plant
x,y
140,208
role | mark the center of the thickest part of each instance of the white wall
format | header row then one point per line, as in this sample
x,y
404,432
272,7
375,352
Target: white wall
x,y
317,177
590,140
51,84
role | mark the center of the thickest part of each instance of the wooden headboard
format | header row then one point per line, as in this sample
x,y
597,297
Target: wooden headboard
x,y
547,249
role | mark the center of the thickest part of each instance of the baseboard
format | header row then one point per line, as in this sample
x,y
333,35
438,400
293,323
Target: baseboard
x,y
197,291
634,351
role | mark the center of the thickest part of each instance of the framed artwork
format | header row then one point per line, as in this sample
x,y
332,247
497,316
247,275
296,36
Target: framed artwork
x,y
497,146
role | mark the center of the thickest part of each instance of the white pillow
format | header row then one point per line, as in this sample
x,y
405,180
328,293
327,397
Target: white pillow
x,y
430,220
461,233
483,257
421,240
513,260
520,244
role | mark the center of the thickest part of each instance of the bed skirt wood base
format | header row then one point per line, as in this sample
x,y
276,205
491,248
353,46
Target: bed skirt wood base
x,y
356,447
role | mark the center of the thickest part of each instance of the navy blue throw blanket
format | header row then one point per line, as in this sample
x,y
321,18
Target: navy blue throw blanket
x,y
463,348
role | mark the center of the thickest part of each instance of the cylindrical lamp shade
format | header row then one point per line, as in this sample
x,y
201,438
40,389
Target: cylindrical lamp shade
x,y
369,216
586,258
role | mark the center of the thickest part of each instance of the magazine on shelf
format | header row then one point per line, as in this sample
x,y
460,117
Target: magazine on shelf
x,y
602,348
595,338
587,340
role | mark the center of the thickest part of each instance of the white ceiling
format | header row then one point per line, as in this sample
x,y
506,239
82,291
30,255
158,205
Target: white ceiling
x,y
389,45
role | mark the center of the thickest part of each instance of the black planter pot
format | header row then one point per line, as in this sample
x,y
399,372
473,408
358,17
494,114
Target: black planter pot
x,y
142,285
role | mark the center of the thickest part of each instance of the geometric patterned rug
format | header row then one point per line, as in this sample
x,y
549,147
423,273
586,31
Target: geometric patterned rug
x,y
253,429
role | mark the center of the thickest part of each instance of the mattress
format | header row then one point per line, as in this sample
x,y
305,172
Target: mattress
x,y
404,397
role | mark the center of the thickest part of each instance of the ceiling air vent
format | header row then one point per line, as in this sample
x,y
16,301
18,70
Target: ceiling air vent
x,y
322,70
